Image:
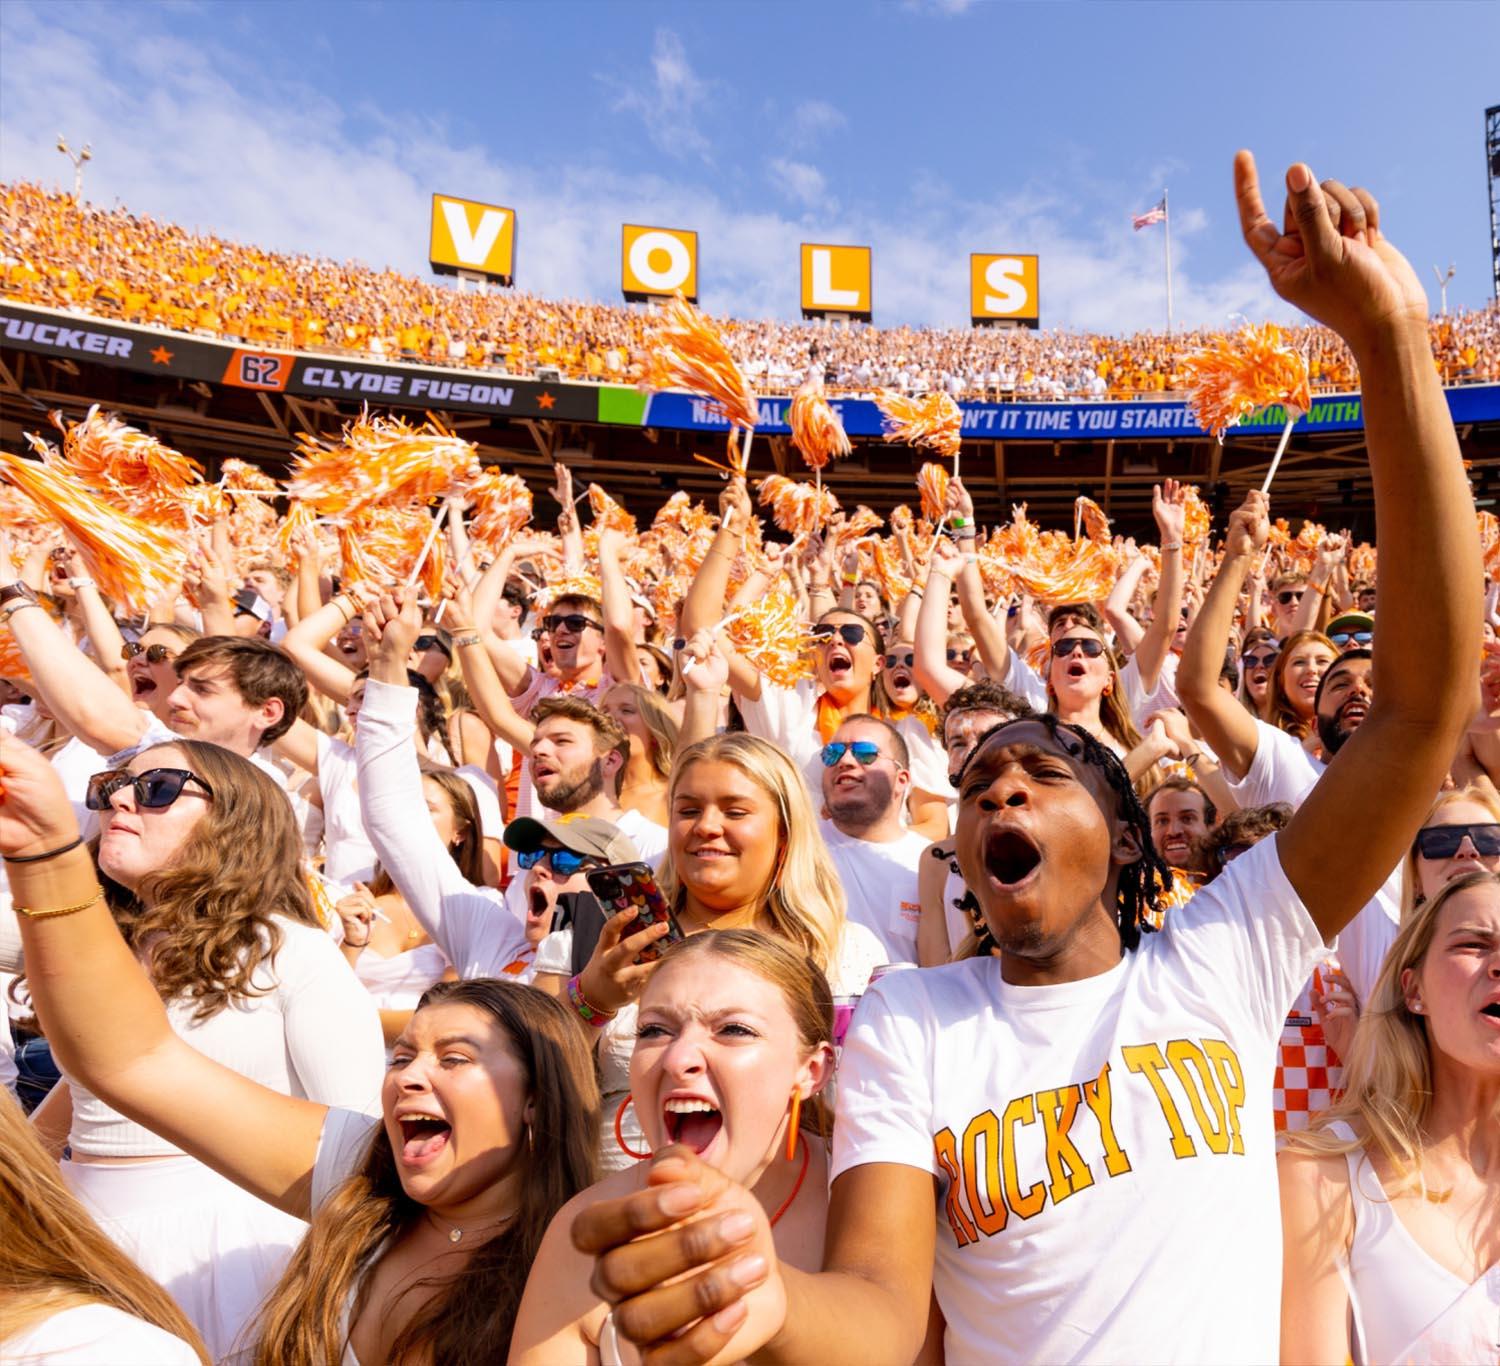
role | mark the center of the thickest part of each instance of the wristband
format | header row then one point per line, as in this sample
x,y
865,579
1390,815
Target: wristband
x,y
472,638
83,581
956,523
914,591
970,557
42,858
850,580
1321,589
1176,545
56,911
11,608
590,1015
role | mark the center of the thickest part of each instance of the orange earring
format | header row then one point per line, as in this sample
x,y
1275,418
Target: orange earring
x,y
791,1132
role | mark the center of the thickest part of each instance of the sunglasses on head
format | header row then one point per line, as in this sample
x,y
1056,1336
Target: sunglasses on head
x,y
154,789
1344,639
155,654
1091,648
865,752
1442,841
1288,596
565,862
908,658
851,631
1254,661
575,622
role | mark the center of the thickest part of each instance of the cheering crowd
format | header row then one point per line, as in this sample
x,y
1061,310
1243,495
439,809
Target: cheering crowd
x,y
112,263
682,945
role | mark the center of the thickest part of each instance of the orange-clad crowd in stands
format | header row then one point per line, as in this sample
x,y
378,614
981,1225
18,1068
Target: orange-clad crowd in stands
x,y
60,253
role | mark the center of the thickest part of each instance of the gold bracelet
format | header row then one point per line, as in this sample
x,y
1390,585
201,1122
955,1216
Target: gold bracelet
x,y
94,900
348,612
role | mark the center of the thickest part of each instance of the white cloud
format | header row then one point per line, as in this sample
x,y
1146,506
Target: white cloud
x,y
813,120
194,134
943,7
799,181
670,105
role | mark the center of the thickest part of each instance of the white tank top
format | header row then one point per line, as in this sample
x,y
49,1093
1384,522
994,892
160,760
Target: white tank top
x,y
1407,1307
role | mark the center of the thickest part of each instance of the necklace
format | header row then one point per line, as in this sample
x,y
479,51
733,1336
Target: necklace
x,y
801,1177
455,1233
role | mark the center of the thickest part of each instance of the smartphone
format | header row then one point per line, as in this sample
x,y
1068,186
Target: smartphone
x,y
621,886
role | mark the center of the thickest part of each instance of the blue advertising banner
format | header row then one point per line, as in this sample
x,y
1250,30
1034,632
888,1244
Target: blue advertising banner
x,y
1065,421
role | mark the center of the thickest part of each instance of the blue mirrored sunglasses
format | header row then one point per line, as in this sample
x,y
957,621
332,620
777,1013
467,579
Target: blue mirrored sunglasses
x,y
1344,639
864,751
564,861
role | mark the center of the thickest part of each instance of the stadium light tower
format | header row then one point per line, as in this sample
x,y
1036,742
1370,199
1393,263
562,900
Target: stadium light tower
x,y
1492,160
86,153
1443,284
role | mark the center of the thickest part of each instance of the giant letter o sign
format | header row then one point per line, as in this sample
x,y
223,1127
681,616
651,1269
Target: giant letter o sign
x,y
658,261
1003,287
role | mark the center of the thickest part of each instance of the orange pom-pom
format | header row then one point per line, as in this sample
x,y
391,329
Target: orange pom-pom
x,y
608,513
1091,519
1197,521
578,585
688,352
502,506
798,509
772,635
1236,375
934,421
816,429
932,484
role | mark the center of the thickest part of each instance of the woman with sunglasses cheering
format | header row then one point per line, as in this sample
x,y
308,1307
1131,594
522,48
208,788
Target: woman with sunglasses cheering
x,y
1258,654
847,651
199,859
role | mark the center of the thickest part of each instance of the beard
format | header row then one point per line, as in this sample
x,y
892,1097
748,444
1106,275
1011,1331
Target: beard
x,y
1332,734
864,806
567,793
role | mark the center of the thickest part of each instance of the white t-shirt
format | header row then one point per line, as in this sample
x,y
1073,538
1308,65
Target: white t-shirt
x,y
348,855
880,885
1160,698
95,1335
1103,1148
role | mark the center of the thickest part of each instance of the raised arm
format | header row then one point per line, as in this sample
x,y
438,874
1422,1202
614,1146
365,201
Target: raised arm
x,y
1220,718
619,614
934,675
106,1023
307,644
491,702
567,520
1336,264
1128,631
703,607
104,635
73,688
1330,553
1168,506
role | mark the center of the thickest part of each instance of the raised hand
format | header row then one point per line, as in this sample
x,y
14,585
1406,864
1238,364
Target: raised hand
x,y
946,560
1249,525
35,814
735,509
1337,1009
1329,257
392,623
704,668
958,499
1169,507
357,913
612,978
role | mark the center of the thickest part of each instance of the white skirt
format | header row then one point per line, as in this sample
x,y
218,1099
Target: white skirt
x,y
217,1250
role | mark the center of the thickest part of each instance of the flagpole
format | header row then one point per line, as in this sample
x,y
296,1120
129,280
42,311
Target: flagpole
x,y
1167,223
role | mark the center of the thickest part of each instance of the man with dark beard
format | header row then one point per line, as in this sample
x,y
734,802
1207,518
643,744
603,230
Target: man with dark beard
x,y
866,778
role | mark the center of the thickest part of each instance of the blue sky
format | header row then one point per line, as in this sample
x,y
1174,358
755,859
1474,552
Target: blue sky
x,y
927,130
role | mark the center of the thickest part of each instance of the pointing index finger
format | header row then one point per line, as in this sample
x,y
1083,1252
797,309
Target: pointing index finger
x,y
1255,224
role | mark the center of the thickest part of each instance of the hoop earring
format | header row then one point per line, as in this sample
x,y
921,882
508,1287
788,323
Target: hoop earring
x,y
620,1132
791,1129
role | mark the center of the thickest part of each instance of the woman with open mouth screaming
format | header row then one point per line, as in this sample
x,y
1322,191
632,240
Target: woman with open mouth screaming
x,y
734,1041
424,1220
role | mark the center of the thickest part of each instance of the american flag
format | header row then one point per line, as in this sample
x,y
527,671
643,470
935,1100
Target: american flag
x,y
1152,215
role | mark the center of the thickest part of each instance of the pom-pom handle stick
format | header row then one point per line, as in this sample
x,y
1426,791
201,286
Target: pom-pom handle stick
x,y
1286,436
437,526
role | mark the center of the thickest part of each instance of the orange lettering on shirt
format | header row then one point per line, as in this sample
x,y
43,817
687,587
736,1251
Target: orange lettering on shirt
x,y
1070,1173
1232,1083
1146,1059
1096,1095
986,1127
1020,1111
947,1156
1186,1058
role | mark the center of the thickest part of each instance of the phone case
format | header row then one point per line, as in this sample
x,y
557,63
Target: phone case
x,y
621,886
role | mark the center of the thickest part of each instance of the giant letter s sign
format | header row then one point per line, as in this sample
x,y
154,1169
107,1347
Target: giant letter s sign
x,y
472,238
1004,289
835,280
658,261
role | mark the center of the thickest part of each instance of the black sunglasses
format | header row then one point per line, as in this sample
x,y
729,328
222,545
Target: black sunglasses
x,y
155,789
1091,648
1261,661
1288,596
895,657
959,656
155,654
575,622
1442,841
851,631
432,642
1344,639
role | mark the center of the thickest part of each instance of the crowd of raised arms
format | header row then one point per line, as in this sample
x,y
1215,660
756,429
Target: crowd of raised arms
x,y
725,941
58,252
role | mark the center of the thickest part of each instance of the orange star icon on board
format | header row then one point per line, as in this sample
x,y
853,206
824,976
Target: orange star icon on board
x,y
545,400
161,356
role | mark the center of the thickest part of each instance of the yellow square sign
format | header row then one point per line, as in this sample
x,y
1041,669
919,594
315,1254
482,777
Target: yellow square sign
x,y
1004,287
658,261
472,237
836,280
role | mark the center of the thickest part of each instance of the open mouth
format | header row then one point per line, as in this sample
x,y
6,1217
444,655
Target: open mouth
x,y
1352,713
900,680
142,685
541,908
1492,1011
695,1123
423,1137
839,663
1076,669
1010,858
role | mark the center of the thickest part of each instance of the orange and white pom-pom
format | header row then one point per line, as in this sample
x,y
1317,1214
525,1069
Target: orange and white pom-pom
x,y
816,429
299,516
380,547
901,519
889,569
1183,889
381,461
608,513
798,509
1251,369
1091,519
574,586
689,352
502,506
1197,520
932,484
772,636
1067,571
132,561
934,421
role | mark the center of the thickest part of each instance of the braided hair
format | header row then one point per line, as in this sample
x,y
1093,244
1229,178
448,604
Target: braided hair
x,y
1142,883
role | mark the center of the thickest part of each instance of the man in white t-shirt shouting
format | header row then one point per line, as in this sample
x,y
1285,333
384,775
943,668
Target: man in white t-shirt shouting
x,y
866,779
1088,1114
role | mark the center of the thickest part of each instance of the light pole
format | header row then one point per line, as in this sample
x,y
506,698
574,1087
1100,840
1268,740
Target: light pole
x,y
1443,285
77,158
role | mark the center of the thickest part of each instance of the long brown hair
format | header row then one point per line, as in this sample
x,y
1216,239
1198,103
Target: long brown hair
x,y
1114,711
208,918
56,1257
470,1318
1279,709
467,851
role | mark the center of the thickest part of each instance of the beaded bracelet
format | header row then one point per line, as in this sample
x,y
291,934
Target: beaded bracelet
x,y
94,900
590,1015
472,638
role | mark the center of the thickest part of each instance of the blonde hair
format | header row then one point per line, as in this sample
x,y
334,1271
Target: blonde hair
x,y
56,1257
1482,793
804,899
659,722
1388,1074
